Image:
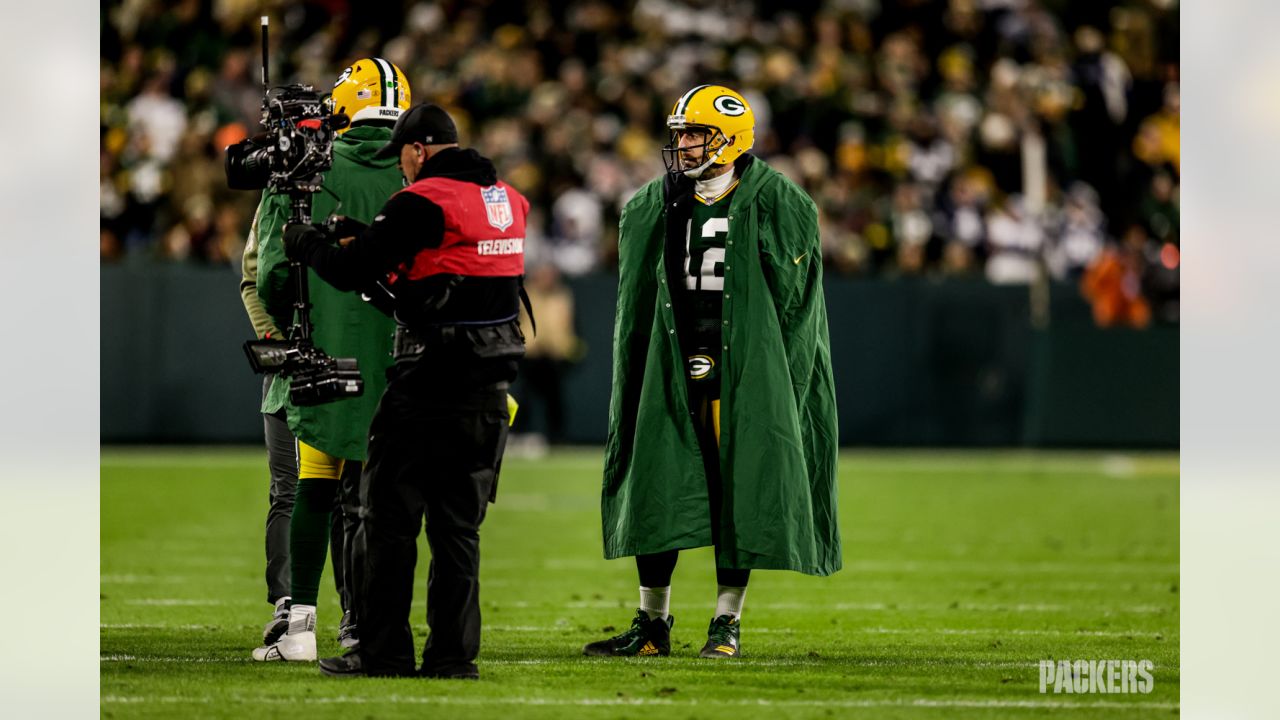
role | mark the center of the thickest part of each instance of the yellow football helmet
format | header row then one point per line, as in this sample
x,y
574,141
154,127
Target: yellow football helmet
x,y
370,89
721,111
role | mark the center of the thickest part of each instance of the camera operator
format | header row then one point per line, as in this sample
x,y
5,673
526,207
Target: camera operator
x,y
315,452
450,248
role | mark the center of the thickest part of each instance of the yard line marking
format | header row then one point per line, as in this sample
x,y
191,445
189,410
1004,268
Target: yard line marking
x,y
1010,631
175,626
136,579
576,628
750,662
945,462
171,659
890,631
920,566
664,702
1047,632
578,660
1006,567
166,461
195,602
818,606
133,579
875,606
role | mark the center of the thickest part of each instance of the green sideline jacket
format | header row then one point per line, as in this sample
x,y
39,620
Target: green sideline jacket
x,y
345,325
778,439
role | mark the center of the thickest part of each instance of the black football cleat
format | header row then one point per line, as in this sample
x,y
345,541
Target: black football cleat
x,y
722,638
644,637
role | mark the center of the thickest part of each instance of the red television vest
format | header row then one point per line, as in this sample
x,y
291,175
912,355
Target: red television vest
x,y
483,230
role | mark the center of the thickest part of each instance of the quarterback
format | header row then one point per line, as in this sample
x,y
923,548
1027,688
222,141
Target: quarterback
x,y
722,420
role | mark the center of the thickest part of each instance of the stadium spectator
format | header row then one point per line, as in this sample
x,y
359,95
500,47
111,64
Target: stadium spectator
x,y
551,351
1113,283
1079,234
854,97
1014,241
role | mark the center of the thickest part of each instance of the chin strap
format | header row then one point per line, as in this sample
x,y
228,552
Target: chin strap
x,y
696,173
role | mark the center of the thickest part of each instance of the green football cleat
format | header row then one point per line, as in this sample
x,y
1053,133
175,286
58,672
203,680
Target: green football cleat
x,y
722,638
645,637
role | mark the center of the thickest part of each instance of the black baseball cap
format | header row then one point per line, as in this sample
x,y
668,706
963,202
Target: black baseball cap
x,y
427,123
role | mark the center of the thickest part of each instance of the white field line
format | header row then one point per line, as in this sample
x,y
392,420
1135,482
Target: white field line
x,y
931,567
660,702
197,461
883,607
943,462
166,579
984,632
1006,583
165,626
188,602
172,659
1011,631
1013,568
126,579
745,662
818,607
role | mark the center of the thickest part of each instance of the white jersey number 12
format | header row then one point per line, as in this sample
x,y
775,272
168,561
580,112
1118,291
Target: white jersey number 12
x,y
707,278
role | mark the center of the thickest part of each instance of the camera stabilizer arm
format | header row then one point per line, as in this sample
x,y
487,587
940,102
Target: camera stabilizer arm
x,y
300,212
298,150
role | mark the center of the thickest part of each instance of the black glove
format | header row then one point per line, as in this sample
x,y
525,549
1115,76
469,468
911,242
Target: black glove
x,y
340,226
298,237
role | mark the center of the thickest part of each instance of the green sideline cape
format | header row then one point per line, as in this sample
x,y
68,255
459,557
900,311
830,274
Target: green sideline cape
x,y
778,416
345,325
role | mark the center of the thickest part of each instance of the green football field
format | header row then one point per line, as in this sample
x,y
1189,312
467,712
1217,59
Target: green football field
x,y
962,570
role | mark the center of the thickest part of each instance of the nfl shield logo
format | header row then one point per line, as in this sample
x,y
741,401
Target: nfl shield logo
x,y
497,206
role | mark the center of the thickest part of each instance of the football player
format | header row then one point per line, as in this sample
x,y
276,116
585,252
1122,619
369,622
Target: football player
x,y
722,421
319,449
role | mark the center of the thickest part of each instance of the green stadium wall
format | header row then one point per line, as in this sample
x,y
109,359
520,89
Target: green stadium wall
x,y
918,362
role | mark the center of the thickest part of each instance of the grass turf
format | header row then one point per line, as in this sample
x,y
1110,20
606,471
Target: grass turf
x,y
962,571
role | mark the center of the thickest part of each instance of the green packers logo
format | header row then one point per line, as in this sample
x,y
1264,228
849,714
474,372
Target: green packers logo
x,y
729,105
700,366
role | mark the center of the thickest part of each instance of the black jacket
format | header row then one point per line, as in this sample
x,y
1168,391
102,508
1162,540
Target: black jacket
x,y
407,224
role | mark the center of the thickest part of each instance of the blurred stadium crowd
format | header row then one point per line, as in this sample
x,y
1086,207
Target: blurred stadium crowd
x,y
1005,138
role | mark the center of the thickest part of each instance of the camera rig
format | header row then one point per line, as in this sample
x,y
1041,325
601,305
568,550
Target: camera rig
x,y
290,158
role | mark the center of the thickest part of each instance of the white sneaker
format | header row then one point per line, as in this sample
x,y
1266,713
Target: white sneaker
x,y
298,644
274,630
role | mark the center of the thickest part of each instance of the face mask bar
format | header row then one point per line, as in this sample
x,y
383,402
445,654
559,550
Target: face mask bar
x,y
671,152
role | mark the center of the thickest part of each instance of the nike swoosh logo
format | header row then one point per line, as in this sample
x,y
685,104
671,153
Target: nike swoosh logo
x,y
797,260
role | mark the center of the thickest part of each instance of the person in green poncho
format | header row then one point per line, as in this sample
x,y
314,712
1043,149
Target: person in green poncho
x,y
316,452
722,420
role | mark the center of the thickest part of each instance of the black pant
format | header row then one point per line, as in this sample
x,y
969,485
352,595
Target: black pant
x,y
434,448
343,550
282,460
655,570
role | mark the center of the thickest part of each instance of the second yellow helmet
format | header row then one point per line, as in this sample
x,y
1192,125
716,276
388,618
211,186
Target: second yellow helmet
x,y
371,89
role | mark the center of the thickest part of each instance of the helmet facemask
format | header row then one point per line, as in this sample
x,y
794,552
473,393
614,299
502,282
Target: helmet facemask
x,y
713,145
